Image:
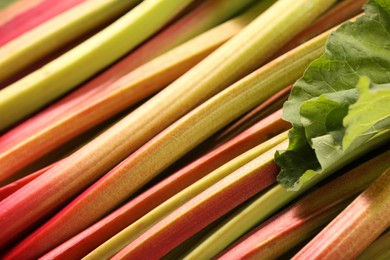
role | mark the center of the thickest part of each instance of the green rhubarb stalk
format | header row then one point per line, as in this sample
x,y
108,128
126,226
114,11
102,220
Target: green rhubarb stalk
x,y
378,250
57,32
238,56
117,242
110,92
66,72
260,209
302,220
202,17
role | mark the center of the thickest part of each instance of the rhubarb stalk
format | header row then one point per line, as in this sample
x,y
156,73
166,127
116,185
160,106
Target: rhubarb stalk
x,y
270,106
368,214
343,11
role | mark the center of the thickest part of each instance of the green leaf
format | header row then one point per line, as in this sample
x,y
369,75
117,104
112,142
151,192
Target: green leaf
x,y
369,116
322,98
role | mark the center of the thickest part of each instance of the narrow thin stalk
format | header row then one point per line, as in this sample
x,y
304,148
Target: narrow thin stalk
x,y
356,227
109,94
300,221
83,61
261,208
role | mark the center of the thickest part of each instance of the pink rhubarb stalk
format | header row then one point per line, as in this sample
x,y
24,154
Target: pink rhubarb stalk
x,y
356,227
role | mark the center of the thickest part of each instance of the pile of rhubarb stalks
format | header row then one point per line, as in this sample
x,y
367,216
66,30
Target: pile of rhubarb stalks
x,y
194,129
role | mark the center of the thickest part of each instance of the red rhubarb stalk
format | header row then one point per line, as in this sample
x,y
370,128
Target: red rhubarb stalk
x,y
300,221
356,227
